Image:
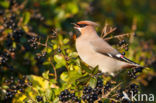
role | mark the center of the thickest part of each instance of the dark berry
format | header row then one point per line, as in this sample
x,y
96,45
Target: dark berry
x,y
59,50
39,98
126,49
99,101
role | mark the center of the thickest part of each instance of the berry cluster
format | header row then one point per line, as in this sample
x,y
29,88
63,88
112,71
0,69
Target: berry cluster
x,y
16,85
40,58
39,98
33,41
66,95
89,95
132,88
123,44
107,87
133,72
4,56
10,22
128,90
99,86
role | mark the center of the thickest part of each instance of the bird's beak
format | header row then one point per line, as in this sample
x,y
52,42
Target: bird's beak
x,y
75,25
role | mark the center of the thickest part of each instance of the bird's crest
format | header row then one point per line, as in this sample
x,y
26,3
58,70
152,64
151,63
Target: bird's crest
x,y
87,23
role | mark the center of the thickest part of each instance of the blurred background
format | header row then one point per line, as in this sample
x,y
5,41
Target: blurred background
x,y
43,17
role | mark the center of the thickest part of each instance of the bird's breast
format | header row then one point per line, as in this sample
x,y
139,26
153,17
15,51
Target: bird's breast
x,y
85,51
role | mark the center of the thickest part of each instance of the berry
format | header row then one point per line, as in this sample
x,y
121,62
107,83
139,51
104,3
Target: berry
x,y
39,98
99,83
65,95
90,94
59,50
139,69
122,42
99,101
126,49
123,53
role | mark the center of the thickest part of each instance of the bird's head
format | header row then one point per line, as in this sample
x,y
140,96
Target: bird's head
x,y
84,25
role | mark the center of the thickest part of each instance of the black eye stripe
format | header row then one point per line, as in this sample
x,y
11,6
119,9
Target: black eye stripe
x,y
82,25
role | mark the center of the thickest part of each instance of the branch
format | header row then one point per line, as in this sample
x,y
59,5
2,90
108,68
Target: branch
x,y
112,89
119,36
107,30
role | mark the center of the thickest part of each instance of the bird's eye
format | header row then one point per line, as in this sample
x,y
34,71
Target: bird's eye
x,y
82,25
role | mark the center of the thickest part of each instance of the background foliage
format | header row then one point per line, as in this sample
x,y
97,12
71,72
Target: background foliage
x,y
37,46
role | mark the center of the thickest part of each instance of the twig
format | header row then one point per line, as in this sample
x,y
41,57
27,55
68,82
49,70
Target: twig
x,y
119,36
46,43
54,69
110,31
31,33
106,95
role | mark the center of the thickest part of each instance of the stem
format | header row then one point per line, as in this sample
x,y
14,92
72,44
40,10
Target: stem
x,y
54,69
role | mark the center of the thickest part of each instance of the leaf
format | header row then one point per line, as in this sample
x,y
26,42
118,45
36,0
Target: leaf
x,y
48,93
84,67
78,69
56,100
93,82
4,4
73,75
95,70
72,8
5,87
65,41
73,54
26,18
60,61
18,98
46,74
64,76
39,82
49,50
83,79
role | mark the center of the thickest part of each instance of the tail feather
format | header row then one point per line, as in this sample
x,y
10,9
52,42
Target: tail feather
x,y
129,65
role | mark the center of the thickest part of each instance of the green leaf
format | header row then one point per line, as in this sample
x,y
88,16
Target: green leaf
x,y
93,82
56,100
60,61
26,18
65,41
48,93
64,76
5,87
4,4
83,79
73,75
72,8
84,67
73,54
95,70
46,74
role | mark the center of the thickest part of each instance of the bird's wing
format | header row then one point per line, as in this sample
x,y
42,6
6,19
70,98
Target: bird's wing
x,y
104,48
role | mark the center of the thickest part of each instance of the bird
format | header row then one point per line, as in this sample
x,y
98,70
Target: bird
x,y
95,51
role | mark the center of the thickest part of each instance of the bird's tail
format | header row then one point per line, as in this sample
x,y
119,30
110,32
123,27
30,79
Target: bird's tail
x,y
132,65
